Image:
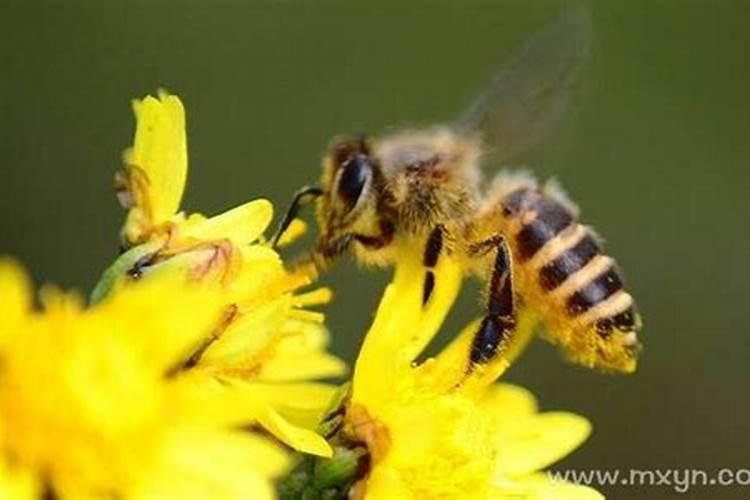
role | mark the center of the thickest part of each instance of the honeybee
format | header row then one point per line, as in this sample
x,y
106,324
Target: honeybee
x,y
522,237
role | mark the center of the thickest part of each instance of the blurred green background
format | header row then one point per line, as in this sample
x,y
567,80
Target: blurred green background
x,y
657,156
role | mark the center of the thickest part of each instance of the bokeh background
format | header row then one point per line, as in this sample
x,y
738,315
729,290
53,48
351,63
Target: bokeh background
x,y
658,156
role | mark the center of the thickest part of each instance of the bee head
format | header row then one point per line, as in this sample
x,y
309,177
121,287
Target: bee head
x,y
347,207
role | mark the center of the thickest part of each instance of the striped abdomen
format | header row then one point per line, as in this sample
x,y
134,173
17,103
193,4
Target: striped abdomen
x,y
574,280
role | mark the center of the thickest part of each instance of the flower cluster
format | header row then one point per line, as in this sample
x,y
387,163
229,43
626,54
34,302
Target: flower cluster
x,y
194,363
90,407
193,372
436,430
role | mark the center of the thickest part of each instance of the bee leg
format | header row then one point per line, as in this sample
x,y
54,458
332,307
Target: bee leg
x,y
431,256
302,197
497,327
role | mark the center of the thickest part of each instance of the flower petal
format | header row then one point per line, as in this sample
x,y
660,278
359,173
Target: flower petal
x,y
15,297
18,484
537,441
402,325
508,402
249,335
297,228
300,439
230,465
302,404
541,487
242,225
160,152
302,356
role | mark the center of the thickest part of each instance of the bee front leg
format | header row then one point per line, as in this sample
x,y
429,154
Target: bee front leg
x,y
498,326
431,255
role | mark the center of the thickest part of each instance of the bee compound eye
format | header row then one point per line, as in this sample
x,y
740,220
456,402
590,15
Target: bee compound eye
x,y
354,176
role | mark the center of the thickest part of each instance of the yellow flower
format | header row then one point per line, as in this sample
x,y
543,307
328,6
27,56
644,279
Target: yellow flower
x,y
264,342
91,407
436,430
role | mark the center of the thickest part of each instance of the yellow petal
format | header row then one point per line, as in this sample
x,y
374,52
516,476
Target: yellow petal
x,y
402,327
300,354
508,402
301,404
316,297
409,281
229,465
300,439
160,151
18,484
302,366
535,442
289,412
261,277
200,397
168,313
296,230
15,297
248,335
242,225
540,487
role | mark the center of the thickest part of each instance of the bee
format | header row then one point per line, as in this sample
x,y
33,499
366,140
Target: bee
x,y
522,237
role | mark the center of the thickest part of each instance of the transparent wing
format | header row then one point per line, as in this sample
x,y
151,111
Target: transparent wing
x,y
530,95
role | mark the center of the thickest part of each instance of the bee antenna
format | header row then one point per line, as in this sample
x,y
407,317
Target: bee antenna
x,y
302,197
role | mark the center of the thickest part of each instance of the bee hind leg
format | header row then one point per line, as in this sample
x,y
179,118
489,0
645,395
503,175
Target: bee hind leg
x,y
498,326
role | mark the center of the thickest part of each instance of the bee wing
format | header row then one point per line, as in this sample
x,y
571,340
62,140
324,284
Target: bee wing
x,y
529,96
